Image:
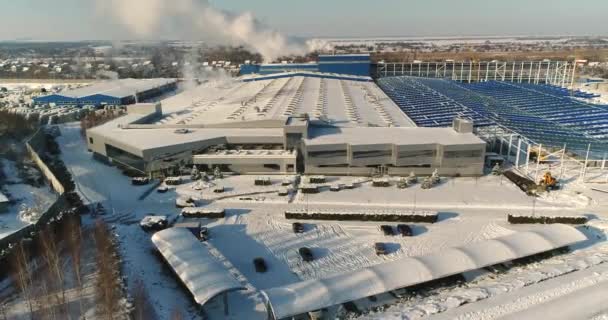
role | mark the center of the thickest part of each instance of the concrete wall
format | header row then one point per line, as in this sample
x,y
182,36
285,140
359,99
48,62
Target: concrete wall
x,y
53,213
37,143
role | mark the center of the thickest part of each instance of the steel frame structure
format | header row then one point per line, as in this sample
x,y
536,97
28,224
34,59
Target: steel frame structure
x,y
560,73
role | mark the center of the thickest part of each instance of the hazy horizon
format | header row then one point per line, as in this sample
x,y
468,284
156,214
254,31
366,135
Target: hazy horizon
x,y
70,20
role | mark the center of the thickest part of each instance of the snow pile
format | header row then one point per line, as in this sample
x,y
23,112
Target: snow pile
x,y
29,215
153,221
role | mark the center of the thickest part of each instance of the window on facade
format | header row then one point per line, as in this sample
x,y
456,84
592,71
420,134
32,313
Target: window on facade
x,y
462,154
126,158
272,166
90,140
417,153
327,154
371,154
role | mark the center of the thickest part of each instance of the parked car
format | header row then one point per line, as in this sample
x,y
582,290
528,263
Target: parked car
x,y
380,248
183,202
154,222
140,181
162,189
388,230
297,227
306,254
336,187
405,230
260,264
219,189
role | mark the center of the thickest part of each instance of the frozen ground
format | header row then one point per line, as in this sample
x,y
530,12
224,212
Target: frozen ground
x,y
470,210
22,195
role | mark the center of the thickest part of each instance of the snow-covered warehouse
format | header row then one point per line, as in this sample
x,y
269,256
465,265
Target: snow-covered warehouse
x,y
311,295
112,92
326,125
199,270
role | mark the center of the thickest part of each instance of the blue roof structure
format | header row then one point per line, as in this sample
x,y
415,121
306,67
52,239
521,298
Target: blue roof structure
x,y
114,92
334,76
542,113
349,64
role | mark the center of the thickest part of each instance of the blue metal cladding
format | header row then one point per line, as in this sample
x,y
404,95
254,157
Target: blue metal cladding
x,y
291,67
355,69
100,99
249,69
310,75
357,65
539,112
56,99
345,58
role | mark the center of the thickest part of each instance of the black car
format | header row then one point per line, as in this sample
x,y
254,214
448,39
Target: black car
x,y
306,254
140,181
380,248
388,230
405,230
297,227
260,264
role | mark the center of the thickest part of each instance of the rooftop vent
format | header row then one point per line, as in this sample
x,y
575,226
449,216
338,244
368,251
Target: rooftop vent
x,y
461,125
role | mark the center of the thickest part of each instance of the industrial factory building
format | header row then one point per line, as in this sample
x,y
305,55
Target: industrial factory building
x,y
114,92
286,124
346,64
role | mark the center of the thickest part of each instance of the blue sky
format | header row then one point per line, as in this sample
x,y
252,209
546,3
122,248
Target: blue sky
x,y
80,19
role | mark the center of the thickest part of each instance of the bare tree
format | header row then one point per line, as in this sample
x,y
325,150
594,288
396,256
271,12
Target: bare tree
x,y
50,253
22,274
74,241
142,309
108,293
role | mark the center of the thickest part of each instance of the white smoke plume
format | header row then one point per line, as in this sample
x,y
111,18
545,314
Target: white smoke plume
x,y
198,18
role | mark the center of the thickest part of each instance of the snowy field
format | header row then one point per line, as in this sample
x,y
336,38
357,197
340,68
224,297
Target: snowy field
x,y
470,210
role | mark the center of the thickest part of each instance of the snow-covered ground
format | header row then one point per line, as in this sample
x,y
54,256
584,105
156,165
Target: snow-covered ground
x,y
469,210
23,196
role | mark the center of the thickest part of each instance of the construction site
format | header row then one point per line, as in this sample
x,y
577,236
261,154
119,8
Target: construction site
x,y
293,193
341,188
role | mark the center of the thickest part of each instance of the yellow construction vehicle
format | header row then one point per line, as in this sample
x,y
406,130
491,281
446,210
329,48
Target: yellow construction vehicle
x,y
548,182
534,153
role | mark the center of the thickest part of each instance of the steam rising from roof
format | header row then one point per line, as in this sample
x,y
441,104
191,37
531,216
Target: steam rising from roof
x,y
198,18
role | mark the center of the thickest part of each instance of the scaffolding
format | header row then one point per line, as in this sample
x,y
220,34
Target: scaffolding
x,y
533,159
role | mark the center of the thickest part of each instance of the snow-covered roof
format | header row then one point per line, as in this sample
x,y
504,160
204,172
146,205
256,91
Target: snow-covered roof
x,y
117,88
301,297
346,102
202,273
393,135
302,73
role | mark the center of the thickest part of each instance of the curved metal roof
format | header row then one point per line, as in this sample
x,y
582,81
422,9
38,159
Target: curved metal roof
x,y
301,297
202,273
